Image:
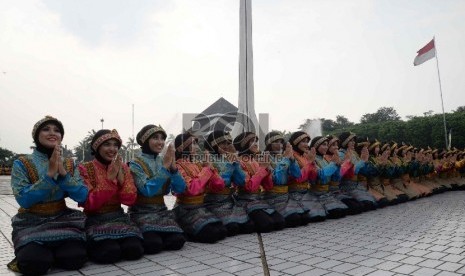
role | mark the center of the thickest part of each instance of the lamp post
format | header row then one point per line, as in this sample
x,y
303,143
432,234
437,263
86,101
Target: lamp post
x,y
101,120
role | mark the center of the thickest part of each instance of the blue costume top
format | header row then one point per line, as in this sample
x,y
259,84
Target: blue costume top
x,y
45,189
231,172
150,176
325,170
282,169
355,159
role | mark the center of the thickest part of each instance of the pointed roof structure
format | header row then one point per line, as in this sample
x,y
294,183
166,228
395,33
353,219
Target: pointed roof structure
x,y
220,115
221,106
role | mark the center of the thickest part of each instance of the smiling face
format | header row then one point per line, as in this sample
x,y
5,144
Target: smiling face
x,y
156,142
253,145
277,146
333,148
109,149
303,145
351,144
50,136
323,148
226,147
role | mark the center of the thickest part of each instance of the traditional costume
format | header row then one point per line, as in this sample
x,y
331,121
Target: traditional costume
x,y
299,186
153,181
110,233
223,204
257,178
278,196
349,184
45,230
195,219
320,187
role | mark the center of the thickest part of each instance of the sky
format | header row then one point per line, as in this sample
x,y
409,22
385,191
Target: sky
x,y
84,60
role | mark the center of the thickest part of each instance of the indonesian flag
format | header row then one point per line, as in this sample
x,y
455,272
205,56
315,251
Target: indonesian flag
x,y
426,53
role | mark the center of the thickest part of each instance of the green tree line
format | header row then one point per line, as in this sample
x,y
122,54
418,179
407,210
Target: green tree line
x,y
420,131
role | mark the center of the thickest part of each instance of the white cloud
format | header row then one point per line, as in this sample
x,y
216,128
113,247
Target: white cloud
x,y
313,58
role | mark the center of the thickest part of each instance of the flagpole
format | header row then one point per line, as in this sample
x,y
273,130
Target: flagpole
x,y
440,90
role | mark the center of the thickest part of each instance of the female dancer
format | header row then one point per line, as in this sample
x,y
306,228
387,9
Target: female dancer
x,y
223,203
197,222
258,176
110,233
284,165
154,177
45,231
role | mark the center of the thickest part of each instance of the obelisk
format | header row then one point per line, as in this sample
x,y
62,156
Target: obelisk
x,y
246,119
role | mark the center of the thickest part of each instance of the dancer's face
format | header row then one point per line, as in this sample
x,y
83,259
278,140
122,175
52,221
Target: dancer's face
x,y
50,136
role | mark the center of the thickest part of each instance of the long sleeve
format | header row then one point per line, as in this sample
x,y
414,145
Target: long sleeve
x,y
100,193
294,169
358,165
177,183
347,170
195,184
149,186
253,182
307,169
280,172
26,193
238,175
127,191
216,183
325,173
74,186
370,170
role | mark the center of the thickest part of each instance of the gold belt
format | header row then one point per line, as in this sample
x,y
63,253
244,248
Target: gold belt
x,y
298,186
243,191
225,191
109,208
192,200
150,200
279,190
319,188
333,183
48,208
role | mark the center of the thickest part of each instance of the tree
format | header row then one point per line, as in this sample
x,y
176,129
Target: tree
x,y
342,122
83,151
460,109
428,113
6,156
384,114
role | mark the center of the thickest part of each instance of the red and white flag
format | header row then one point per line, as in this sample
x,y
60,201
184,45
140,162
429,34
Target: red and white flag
x,y
426,53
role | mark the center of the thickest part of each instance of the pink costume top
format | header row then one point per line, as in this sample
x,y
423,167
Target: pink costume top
x,y
308,170
255,176
104,194
198,179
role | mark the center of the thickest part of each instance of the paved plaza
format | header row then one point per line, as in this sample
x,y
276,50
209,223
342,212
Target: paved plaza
x,y
422,237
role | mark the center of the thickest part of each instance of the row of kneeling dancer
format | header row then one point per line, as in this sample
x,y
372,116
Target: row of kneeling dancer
x,y
227,188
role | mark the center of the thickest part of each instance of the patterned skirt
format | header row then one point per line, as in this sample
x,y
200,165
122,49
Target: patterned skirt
x,y
400,185
112,225
154,218
356,191
193,217
253,202
68,224
309,203
284,204
226,208
329,201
